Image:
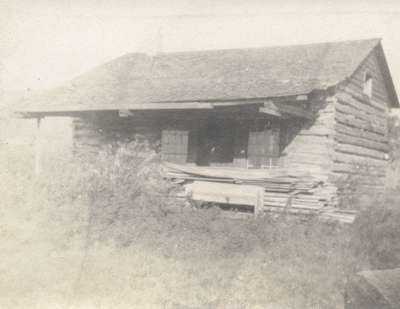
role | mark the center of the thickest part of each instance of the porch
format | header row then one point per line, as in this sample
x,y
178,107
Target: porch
x,y
219,141
232,151
231,134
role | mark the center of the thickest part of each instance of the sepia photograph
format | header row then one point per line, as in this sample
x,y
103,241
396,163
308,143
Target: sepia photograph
x,y
191,154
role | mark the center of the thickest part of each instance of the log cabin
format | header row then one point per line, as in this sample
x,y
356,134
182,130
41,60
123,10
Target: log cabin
x,y
320,108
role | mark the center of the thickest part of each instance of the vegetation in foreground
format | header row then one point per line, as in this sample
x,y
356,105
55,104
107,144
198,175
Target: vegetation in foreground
x,y
96,234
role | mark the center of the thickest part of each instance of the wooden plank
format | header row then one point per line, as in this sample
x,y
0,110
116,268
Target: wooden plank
x,y
279,109
259,203
38,149
116,107
227,194
296,111
166,106
235,103
271,111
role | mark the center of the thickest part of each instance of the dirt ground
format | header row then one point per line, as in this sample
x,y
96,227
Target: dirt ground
x,y
33,275
36,274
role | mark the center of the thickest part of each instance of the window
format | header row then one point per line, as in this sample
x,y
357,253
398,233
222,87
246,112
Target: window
x,y
367,88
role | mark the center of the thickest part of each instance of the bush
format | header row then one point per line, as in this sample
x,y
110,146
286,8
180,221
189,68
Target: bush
x,y
377,230
118,199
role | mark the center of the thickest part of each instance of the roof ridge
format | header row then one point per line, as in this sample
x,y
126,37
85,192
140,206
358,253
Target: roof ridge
x,y
257,72
377,39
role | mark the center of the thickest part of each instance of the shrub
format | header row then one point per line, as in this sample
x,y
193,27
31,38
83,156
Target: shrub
x,y
118,199
377,230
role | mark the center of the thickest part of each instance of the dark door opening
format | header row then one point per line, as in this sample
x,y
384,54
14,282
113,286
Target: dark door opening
x,y
216,142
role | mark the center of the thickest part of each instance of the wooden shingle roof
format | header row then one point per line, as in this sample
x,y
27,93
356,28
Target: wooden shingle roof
x,y
209,75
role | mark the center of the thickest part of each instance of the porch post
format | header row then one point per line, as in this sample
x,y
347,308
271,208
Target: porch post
x,y
38,148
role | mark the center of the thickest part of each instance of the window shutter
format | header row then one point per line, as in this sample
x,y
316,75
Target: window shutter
x,y
241,145
263,147
274,144
174,146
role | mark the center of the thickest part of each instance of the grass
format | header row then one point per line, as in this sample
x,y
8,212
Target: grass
x,y
99,235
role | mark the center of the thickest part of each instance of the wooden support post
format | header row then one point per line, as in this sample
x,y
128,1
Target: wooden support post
x,y
38,148
259,203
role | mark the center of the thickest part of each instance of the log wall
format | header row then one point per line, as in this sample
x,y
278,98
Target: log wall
x,y
361,133
308,145
90,134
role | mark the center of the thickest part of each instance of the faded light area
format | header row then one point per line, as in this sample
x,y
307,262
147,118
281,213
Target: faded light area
x,y
46,43
111,227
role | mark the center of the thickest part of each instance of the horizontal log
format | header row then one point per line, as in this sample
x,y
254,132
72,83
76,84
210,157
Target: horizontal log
x,y
317,129
357,141
356,132
360,151
340,168
382,106
318,160
360,124
294,151
366,180
373,121
302,161
327,124
298,151
358,160
379,93
345,97
307,139
347,109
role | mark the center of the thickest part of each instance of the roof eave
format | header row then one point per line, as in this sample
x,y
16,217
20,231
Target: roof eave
x,y
388,78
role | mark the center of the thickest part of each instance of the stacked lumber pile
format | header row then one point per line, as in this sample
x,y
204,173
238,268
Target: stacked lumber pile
x,y
285,190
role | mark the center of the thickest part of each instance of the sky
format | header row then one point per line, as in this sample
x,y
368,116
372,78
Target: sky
x,y
45,43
